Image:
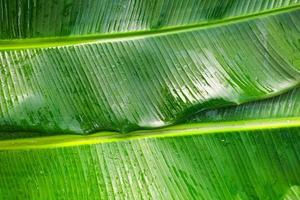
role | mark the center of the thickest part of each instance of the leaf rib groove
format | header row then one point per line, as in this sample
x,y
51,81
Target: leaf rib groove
x,y
173,131
51,42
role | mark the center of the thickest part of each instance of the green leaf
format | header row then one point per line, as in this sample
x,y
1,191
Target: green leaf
x,y
108,76
249,158
283,106
36,19
85,66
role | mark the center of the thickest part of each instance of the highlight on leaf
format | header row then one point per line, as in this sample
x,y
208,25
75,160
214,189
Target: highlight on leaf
x,y
149,99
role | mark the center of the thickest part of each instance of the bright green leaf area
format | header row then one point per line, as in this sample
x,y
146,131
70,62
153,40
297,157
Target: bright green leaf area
x,y
145,79
219,80
238,165
50,18
250,159
279,112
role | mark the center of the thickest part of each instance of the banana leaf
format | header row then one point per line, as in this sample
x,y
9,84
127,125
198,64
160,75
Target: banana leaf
x,y
253,157
136,80
219,79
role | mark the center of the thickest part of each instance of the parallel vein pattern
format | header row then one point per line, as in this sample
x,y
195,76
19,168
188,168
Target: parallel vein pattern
x,y
283,106
32,18
257,164
279,112
247,165
150,82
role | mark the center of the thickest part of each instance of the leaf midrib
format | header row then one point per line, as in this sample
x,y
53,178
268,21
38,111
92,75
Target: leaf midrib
x,y
15,44
173,131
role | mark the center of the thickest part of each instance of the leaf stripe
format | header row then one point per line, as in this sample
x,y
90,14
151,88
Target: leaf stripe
x,y
173,131
15,44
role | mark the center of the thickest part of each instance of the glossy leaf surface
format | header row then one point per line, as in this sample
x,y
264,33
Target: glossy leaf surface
x,y
241,159
44,18
148,79
85,66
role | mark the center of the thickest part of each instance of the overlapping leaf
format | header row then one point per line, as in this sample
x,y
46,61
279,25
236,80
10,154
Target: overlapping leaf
x,y
260,162
80,66
239,51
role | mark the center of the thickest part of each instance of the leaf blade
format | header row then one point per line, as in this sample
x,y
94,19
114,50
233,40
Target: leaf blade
x,y
85,88
29,19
